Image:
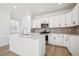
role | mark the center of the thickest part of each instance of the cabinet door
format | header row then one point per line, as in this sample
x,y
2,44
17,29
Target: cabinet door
x,y
51,39
62,20
58,40
33,23
69,44
38,23
75,16
74,45
51,22
57,20
68,19
45,20
64,41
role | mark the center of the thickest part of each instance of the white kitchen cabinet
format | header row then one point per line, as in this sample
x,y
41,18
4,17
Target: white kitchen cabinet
x,y
74,47
65,40
68,19
26,24
33,24
45,20
51,22
55,39
38,23
27,45
62,20
51,39
75,11
68,39
57,21
59,40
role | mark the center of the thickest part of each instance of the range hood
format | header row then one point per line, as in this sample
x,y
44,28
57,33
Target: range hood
x,y
44,25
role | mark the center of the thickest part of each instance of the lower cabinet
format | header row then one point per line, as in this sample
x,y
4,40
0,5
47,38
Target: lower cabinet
x,y
69,41
56,39
27,46
74,47
51,39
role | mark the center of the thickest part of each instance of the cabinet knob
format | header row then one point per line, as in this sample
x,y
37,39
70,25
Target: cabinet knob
x,y
73,22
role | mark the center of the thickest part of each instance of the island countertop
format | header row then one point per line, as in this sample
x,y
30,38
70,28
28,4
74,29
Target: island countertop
x,y
29,36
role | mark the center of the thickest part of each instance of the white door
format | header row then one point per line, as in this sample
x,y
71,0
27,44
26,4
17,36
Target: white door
x,y
62,20
75,20
34,22
58,40
51,22
38,23
68,19
74,45
63,40
51,39
57,20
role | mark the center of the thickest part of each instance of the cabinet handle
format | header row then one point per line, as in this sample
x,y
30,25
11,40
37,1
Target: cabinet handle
x,y
73,22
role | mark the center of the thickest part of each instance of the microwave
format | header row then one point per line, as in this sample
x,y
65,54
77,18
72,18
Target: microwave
x,y
44,25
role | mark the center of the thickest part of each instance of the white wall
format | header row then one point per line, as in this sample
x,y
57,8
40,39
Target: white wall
x,y
4,27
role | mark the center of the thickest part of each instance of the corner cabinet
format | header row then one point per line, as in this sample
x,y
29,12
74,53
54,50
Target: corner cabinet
x,y
74,47
75,12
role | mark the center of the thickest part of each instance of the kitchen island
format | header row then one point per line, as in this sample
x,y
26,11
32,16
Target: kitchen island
x,y
27,45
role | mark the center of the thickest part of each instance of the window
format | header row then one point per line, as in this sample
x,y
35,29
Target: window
x,y
14,26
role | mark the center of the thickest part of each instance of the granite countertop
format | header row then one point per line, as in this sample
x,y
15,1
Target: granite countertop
x,y
29,36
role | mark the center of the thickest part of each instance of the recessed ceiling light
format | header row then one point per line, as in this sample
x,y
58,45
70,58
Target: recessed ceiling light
x,y
59,3
14,6
39,9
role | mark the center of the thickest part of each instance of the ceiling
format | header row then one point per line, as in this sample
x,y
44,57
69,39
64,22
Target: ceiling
x,y
32,8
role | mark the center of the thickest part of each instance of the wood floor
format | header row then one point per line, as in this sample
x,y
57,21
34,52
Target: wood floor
x,y
50,51
56,51
4,51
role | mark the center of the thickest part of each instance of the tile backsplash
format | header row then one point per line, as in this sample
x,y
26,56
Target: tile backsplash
x,y
62,30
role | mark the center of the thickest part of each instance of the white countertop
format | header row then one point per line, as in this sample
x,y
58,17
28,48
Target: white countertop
x,y
30,36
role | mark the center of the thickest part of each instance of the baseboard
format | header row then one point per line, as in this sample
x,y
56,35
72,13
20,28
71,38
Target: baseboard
x,y
57,45
4,44
15,52
69,52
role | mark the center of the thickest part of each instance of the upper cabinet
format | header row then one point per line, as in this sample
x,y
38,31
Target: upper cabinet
x,y
33,24
51,21
75,20
36,23
57,19
64,20
68,19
